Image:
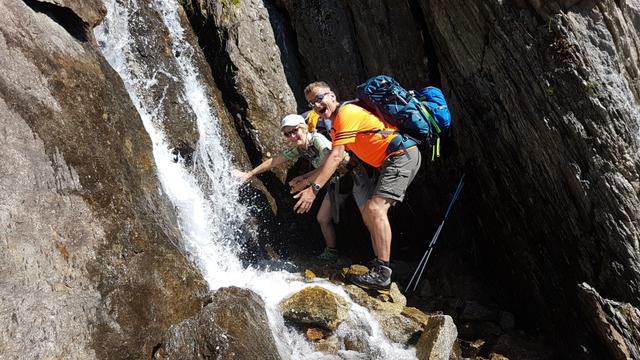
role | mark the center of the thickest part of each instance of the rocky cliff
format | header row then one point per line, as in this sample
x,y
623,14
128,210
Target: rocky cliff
x,y
88,257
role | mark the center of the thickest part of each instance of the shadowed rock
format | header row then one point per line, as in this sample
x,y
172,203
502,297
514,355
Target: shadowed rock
x,y
233,326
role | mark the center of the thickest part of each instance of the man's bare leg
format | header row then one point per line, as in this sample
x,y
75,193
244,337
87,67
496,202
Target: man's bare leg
x,y
376,219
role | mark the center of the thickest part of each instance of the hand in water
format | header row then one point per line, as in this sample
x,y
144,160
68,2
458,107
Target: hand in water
x,y
244,176
305,200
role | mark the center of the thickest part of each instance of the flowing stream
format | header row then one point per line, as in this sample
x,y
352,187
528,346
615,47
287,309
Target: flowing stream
x,y
210,216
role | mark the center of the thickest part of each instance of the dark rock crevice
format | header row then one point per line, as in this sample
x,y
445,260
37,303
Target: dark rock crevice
x,y
63,16
433,64
290,56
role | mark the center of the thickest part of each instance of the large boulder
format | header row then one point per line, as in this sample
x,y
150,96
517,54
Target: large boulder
x,y
233,326
87,256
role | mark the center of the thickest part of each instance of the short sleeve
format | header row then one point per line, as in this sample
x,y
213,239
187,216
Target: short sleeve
x,y
291,154
342,131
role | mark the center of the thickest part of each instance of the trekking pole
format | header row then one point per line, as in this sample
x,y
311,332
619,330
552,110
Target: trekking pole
x,y
425,258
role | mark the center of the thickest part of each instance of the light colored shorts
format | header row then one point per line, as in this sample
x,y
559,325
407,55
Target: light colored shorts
x,y
396,173
362,186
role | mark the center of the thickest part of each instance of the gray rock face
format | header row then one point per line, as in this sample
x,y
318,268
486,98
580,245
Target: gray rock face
x,y
233,326
89,268
550,106
344,42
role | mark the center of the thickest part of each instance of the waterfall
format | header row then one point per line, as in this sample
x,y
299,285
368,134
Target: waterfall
x,y
209,213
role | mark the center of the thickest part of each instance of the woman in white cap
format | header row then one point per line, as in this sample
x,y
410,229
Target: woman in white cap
x,y
314,147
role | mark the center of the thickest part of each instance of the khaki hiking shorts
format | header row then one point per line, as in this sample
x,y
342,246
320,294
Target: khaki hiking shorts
x,y
396,173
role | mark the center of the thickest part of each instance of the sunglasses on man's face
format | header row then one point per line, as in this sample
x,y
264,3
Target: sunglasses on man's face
x,y
290,133
318,99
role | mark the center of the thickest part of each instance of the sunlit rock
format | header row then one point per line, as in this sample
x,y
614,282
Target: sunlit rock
x,y
315,334
399,323
437,341
365,298
315,306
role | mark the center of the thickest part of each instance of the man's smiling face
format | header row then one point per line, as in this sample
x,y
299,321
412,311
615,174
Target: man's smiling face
x,y
323,101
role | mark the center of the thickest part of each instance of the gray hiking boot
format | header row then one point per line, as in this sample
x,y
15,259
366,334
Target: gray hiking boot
x,y
378,278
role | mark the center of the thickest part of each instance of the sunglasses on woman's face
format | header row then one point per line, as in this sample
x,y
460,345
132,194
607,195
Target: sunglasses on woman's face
x,y
290,133
318,99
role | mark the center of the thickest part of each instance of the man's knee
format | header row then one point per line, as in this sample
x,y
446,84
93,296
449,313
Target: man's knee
x,y
323,218
376,208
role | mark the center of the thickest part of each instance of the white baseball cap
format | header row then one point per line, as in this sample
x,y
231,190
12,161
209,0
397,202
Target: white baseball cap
x,y
291,120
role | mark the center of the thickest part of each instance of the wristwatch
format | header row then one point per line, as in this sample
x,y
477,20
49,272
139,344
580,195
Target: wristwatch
x,y
315,187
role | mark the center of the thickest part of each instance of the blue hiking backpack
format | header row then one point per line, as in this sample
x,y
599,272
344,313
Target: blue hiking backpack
x,y
423,116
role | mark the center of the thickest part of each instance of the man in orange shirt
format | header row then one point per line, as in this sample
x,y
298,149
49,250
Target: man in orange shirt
x,y
376,143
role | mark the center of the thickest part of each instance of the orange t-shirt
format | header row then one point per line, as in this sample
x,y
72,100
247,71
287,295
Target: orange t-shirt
x,y
370,148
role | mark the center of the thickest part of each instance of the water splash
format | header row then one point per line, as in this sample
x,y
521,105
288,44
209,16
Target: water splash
x,y
209,213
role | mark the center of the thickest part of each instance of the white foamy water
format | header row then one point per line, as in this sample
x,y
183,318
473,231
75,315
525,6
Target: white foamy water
x,y
209,213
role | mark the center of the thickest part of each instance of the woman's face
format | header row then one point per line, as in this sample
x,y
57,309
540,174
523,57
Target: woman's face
x,y
295,135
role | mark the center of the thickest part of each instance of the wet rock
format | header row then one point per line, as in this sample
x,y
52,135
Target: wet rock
x,y
416,314
241,49
365,298
495,356
399,323
399,328
328,346
315,334
315,306
438,340
233,326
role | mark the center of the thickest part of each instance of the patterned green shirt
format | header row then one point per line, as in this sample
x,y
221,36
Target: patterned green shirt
x,y
319,147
